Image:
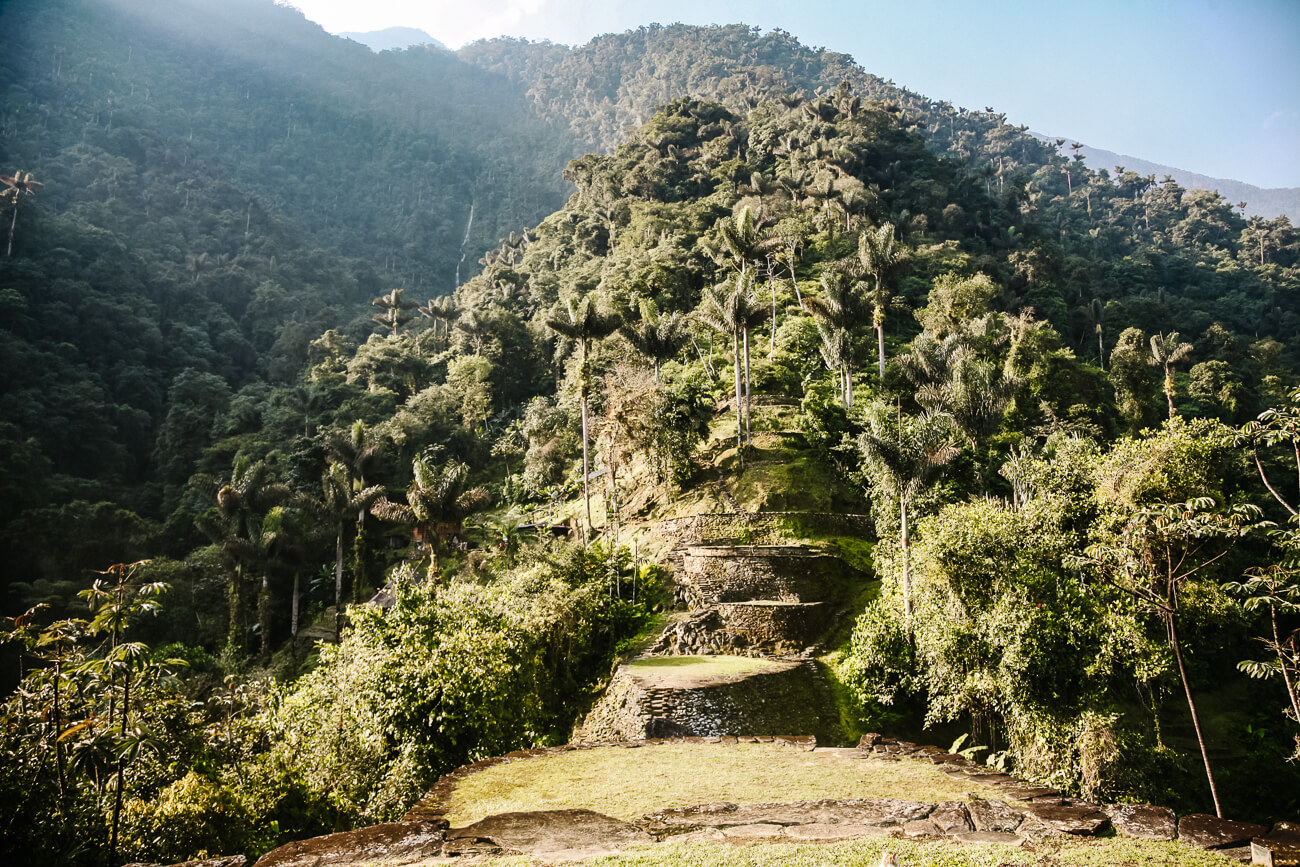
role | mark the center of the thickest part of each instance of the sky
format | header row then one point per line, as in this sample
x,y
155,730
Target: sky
x,y
1208,86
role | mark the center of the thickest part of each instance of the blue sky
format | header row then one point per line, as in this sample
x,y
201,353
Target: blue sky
x,y
1209,86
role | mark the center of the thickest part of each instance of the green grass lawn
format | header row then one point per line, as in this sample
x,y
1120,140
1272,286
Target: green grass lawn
x,y
700,666
629,783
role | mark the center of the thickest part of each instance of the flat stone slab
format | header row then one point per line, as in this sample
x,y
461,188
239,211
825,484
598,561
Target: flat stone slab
x,y
1004,837
393,843
1143,821
1029,793
883,812
921,828
1211,832
823,832
760,833
1083,821
996,816
556,834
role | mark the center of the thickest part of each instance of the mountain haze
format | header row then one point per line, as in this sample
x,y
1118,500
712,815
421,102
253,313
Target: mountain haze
x,y
391,38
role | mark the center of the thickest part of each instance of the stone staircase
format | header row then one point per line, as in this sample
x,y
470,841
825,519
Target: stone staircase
x,y
771,602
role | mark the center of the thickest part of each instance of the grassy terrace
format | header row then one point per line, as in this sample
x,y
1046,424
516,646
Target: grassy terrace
x,y
629,783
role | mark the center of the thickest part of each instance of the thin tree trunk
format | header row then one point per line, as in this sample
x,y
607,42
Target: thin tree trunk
x,y
264,617
338,583
586,466
1101,351
293,613
1286,675
58,746
880,346
749,437
907,567
121,767
740,423
771,342
1171,625
12,223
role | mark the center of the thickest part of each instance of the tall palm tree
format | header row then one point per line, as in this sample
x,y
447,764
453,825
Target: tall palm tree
x,y
396,310
440,310
240,526
881,256
656,337
360,451
905,454
751,246
838,311
1166,351
582,323
16,187
339,501
729,309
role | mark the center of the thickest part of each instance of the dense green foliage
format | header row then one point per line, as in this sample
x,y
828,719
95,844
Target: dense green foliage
x,y
228,344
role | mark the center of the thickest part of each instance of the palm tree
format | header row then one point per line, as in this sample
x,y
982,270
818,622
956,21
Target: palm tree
x,y
881,256
440,310
1165,353
358,450
838,311
729,309
240,525
437,494
339,501
584,323
396,310
17,185
905,454
750,247
656,337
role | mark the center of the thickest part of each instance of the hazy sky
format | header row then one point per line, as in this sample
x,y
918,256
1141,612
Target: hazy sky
x,y
1209,86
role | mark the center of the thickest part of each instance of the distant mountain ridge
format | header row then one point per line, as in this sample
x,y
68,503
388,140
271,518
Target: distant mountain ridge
x,y
393,37
1266,202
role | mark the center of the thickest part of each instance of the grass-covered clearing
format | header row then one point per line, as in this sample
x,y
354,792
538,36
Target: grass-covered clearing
x,y
629,783
700,666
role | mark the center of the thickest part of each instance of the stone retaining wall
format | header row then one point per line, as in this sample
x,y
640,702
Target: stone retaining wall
x,y
793,696
733,573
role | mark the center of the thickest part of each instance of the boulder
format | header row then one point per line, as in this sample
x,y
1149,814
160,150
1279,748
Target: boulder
x,y
224,861
554,834
393,843
1211,832
1143,821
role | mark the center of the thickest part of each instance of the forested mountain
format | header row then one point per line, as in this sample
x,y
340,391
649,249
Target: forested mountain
x,y
231,346
1268,203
